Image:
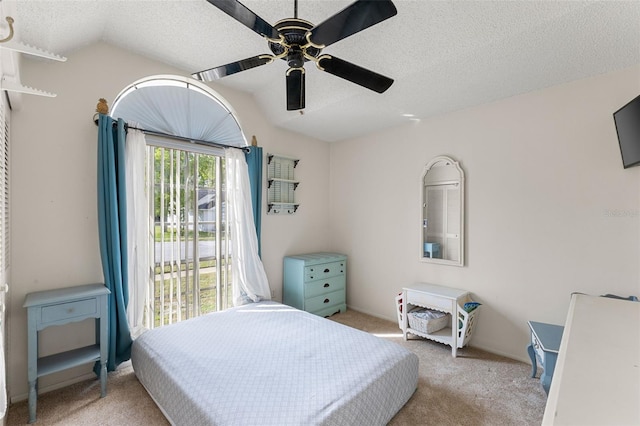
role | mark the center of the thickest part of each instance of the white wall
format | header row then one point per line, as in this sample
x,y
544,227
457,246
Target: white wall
x,y
54,216
550,209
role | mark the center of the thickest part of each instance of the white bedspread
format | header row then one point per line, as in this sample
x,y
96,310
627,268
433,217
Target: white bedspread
x,y
270,364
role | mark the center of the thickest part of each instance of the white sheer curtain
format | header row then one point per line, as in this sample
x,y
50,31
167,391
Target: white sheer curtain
x,y
137,230
250,282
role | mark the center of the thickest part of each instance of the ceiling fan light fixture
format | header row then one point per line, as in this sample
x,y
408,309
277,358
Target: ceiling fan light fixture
x,y
295,89
295,58
297,41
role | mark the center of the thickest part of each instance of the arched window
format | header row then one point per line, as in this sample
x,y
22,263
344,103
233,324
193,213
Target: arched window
x,y
188,251
181,107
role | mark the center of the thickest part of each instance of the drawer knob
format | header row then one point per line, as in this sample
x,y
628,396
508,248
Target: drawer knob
x,y
311,277
326,270
326,285
326,300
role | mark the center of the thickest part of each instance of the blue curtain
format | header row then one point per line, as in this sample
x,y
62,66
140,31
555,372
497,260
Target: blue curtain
x,y
112,224
254,163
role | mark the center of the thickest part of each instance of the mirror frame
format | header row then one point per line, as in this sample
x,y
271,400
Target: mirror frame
x,y
461,243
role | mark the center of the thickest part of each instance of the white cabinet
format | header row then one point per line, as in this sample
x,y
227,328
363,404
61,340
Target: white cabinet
x,y
281,184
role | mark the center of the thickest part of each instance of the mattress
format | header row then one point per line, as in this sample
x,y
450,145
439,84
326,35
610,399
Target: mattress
x,y
271,364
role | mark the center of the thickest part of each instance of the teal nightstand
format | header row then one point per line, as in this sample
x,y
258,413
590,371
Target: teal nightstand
x,y
59,307
545,343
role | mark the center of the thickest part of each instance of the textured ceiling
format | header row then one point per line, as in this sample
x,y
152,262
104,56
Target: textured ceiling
x,y
443,55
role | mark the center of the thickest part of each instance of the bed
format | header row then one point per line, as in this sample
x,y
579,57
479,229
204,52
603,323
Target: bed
x,y
270,364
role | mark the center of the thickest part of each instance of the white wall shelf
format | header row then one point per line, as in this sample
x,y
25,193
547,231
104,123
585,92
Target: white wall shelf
x,y
281,184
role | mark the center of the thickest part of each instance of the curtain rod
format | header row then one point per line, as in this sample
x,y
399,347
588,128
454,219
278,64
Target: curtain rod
x,y
182,138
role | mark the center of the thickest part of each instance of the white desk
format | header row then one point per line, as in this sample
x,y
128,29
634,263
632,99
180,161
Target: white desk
x,y
597,377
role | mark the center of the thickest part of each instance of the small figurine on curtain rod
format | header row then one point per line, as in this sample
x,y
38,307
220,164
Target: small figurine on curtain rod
x,y
101,108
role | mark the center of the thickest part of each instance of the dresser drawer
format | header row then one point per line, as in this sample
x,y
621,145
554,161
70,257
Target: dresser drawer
x,y
324,301
324,270
316,288
331,310
68,311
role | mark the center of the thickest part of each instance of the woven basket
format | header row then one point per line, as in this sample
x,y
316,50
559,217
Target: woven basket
x,y
425,325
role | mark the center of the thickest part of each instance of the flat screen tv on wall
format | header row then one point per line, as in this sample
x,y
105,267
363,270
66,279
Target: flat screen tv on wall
x,y
627,121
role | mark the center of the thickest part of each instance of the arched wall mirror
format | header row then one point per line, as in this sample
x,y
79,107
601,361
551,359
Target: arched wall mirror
x,y
442,196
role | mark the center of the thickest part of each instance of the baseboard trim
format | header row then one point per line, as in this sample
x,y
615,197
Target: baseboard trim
x,y
55,386
373,314
473,343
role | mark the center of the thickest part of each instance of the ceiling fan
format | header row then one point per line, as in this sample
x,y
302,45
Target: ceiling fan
x,y
297,41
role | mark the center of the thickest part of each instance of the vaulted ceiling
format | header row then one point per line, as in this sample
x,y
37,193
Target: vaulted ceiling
x,y
443,55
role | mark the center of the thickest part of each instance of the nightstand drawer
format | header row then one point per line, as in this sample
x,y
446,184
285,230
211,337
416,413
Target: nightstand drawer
x,y
68,311
325,270
324,301
537,347
429,301
316,288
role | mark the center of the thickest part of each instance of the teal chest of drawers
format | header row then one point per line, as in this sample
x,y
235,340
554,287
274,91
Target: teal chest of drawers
x,y
316,283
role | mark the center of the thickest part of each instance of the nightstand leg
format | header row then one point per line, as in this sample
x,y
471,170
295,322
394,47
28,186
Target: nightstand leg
x,y
547,374
405,319
102,339
454,328
32,361
103,379
532,355
33,394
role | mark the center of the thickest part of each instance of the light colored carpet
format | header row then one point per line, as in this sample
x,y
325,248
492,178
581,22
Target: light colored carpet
x,y
476,388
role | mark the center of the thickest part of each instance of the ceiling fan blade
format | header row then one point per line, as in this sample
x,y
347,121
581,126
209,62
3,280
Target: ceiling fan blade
x,y
356,17
295,89
354,73
242,14
232,68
